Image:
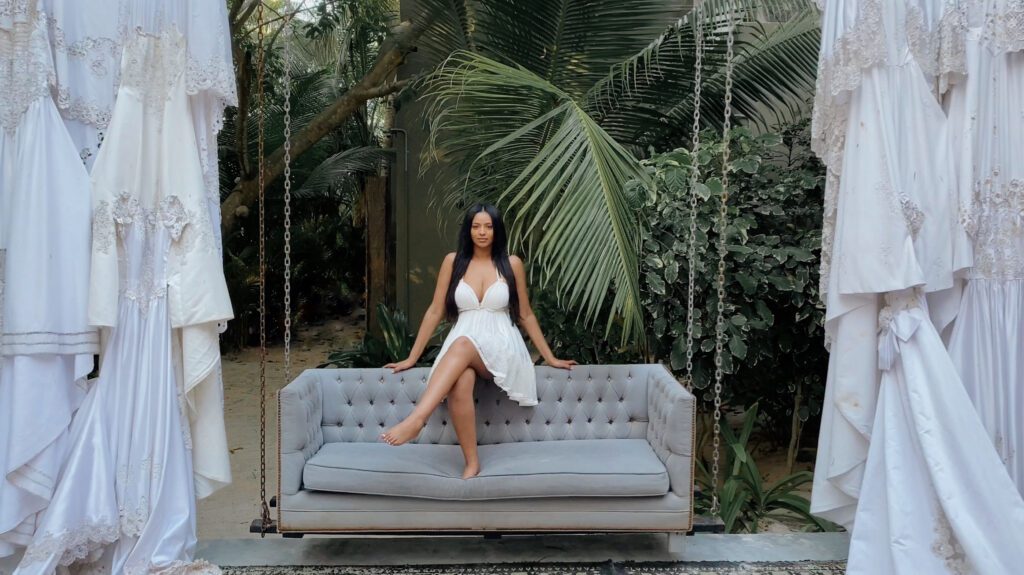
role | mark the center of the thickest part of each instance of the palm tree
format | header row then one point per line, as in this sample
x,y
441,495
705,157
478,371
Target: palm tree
x,y
543,107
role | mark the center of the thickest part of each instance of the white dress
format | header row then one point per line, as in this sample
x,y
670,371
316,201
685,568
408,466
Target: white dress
x,y
987,339
487,324
87,45
881,134
126,499
902,460
46,344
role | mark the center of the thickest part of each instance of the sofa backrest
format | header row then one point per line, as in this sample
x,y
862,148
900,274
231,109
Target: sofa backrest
x,y
588,402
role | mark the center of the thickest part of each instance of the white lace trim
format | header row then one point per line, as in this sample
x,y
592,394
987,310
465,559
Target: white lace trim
x,y
215,76
111,226
101,57
1004,27
154,66
72,545
860,48
25,68
13,10
81,544
828,228
995,223
940,52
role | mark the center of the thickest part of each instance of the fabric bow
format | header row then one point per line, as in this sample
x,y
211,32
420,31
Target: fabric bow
x,y
895,326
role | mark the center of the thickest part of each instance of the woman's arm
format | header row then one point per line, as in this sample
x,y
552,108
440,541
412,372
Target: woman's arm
x,y
431,318
529,321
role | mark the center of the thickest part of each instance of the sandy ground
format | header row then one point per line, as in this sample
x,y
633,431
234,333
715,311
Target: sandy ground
x,y
227,513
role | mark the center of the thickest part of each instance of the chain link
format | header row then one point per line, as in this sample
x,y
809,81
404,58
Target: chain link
x,y
722,223
287,206
691,253
260,67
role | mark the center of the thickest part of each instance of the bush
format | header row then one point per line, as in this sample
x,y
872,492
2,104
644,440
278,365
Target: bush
x,y
774,349
391,346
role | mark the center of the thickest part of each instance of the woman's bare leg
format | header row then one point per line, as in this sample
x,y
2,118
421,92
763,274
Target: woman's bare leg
x,y
460,355
463,413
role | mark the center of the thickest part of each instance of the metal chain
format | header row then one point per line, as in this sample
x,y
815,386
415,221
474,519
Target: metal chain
x,y
260,66
722,223
287,207
691,252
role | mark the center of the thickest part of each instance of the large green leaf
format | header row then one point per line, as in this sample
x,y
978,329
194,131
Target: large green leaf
x,y
571,43
563,179
648,98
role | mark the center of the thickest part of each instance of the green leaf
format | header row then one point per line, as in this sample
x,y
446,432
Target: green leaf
x,y
737,347
656,284
672,272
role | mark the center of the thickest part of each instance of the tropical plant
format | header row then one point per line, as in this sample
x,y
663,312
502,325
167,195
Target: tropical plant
x,y
568,337
542,107
745,500
392,345
773,317
326,55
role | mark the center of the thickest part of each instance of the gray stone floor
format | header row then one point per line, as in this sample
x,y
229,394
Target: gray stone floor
x,y
371,550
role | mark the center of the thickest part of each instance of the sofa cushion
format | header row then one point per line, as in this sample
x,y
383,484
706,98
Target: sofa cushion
x,y
583,468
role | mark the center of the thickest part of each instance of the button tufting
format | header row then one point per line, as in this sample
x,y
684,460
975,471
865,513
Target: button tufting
x,y
371,402
590,420
360,426
600,399
487,423
507,422
547,423
527,422
569,421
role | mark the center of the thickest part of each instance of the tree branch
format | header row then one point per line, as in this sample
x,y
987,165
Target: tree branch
x,y
378,82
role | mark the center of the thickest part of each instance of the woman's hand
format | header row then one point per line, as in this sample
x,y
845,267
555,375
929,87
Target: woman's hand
x,y
561,363
401,366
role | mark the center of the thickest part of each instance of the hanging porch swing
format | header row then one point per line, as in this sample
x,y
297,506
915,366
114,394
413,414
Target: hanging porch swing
x,y
643,418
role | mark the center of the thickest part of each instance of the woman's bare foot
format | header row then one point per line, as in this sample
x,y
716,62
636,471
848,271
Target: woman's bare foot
x,y
404,432
471,470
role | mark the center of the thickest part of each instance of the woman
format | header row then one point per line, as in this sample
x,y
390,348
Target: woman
x,y
485,289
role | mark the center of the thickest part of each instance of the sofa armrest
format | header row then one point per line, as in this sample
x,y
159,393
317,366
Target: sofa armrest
x,y
670,431
300,435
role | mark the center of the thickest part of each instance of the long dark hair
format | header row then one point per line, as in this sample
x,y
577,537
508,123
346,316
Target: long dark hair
x,y
499,255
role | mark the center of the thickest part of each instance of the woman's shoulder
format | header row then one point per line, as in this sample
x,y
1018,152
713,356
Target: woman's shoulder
x,y
449,259
515,260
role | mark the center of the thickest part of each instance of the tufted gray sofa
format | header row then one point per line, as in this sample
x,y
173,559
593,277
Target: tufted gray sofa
x,y
608,449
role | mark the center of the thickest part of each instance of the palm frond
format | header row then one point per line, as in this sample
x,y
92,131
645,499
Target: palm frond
x,y
338,174
563,180
647,99
570,43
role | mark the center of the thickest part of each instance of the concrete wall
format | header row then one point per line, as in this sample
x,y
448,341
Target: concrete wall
x,y
423,235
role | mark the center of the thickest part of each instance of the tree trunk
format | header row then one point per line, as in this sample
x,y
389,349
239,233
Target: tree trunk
x,y
375,194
